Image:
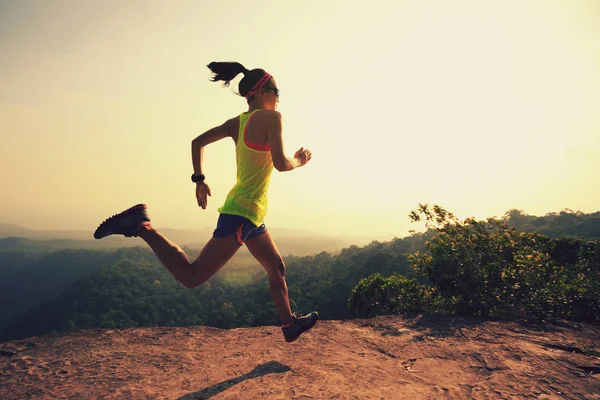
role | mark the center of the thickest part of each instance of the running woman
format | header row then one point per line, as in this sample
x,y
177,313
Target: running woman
x,y
257,135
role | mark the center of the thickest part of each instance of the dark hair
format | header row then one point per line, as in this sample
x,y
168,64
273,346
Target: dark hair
x,y
226,71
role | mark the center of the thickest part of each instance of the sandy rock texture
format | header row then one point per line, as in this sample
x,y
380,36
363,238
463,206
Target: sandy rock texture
x,y
381,358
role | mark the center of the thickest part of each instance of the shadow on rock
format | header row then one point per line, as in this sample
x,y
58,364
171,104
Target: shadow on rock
x,y
271,367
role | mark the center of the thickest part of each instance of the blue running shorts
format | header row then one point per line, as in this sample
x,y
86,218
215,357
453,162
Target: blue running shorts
x,y
242,227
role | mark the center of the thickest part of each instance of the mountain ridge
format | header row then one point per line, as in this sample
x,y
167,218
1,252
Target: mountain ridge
x,y
289,240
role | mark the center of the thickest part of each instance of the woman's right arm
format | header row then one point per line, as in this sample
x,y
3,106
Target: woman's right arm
x,y
281,162
228,128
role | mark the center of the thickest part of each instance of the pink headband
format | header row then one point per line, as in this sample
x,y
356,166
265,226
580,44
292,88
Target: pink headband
x,y
259,84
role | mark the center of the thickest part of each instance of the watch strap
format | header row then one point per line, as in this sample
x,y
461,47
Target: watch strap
x,y
198,178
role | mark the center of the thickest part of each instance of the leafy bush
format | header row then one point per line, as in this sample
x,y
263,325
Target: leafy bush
x,y
488,268
397,294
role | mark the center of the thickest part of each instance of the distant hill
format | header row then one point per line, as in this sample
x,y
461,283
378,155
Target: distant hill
x,y
129,287
7,230
564,223
381,358
43,279
289,241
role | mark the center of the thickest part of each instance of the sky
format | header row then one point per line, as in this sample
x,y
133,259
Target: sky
x,y
478,106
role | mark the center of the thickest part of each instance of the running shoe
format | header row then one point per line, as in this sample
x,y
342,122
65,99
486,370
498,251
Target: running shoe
x,y
299,325
127,223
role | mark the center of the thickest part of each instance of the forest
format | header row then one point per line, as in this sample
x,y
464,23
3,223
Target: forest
x,y
516,266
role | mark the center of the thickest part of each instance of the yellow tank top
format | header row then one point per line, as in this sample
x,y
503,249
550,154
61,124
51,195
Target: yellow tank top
x,y
248,198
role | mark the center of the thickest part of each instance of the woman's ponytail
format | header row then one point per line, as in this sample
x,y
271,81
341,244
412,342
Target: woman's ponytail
x,y
226,71
249,84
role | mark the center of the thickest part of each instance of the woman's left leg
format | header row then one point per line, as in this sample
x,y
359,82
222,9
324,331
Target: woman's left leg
x,y
213,256
135,222
265,251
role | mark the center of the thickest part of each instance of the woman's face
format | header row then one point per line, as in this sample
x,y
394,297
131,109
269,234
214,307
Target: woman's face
x,y
270,94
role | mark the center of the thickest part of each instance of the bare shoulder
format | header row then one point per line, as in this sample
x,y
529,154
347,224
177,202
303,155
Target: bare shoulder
x,y
269,115
232,126
270,120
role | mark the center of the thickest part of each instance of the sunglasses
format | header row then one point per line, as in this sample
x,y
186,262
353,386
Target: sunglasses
x,y
274,90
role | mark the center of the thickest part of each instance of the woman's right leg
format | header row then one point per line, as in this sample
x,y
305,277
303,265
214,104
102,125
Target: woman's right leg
x,y
212,257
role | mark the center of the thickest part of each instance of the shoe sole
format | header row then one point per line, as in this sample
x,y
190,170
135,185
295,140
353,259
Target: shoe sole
x,y
121,214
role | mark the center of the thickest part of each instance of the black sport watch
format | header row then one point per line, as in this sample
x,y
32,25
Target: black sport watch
x,y
198,178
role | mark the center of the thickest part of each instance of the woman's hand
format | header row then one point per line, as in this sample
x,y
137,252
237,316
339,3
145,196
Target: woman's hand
x,y
303,156
202,190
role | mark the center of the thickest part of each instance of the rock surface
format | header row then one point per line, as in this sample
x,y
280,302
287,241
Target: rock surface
x,y
381,358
